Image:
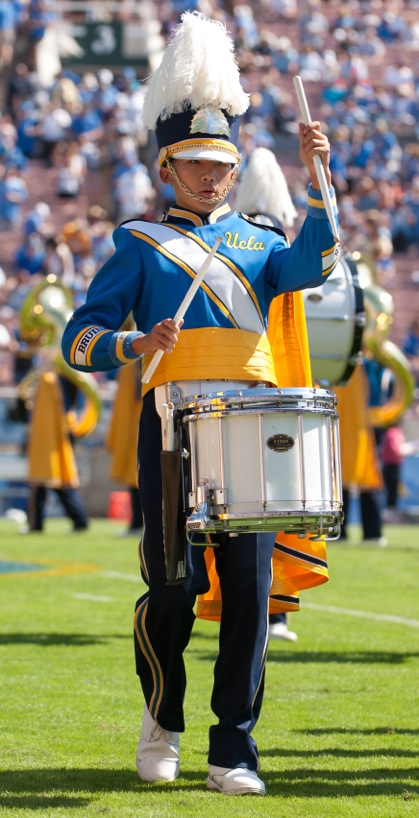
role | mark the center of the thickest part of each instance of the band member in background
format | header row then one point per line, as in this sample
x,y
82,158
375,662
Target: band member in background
x,y
51,461
361,467
194,102
123,430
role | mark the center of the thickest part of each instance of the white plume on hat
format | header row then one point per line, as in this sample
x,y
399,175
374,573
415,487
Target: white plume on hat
x,y
263,188
198,70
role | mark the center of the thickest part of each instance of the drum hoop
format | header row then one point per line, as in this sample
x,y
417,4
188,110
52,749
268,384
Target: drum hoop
x,y
197,414
332,510
285,399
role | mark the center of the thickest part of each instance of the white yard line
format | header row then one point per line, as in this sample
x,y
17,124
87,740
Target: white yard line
x,y
93,598
126,577
398,620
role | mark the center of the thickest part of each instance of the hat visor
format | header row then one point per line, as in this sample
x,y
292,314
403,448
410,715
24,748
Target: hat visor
x,y
213,154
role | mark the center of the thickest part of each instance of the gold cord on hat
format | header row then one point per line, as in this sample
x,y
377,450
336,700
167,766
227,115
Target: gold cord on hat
x,y
199,145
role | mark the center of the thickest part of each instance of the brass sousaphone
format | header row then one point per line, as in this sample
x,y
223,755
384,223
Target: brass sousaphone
x,y
379,308
44,315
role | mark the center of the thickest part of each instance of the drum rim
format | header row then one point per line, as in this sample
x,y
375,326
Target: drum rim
x,y
298,522
222,400
201,414
317,512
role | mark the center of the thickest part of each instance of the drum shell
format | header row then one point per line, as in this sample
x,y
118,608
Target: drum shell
x,y
267,459
335,322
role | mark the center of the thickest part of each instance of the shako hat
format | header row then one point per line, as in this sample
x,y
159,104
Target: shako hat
x,y
194,99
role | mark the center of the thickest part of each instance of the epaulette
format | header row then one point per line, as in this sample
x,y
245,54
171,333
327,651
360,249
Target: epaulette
x,y
127,221
160,219
275,229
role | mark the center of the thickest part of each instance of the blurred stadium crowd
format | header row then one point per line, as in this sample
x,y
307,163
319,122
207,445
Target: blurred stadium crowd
x,y
75,159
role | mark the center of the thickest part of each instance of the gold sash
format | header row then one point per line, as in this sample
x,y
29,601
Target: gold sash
x,y
215,353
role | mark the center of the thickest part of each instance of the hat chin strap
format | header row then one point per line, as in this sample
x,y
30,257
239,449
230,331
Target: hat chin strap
x,y
174,176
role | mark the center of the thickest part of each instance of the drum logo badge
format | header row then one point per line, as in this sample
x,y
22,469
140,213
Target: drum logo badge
x,y
280,443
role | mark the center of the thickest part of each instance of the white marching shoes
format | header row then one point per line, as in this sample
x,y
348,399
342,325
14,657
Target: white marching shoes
x,y
279,630
238,781
158,760
158,751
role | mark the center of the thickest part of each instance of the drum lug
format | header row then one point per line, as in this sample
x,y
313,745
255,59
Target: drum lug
x,y
218,497
173,393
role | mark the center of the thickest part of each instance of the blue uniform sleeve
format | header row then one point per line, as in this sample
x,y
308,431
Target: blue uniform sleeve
x,y
313,254
92,340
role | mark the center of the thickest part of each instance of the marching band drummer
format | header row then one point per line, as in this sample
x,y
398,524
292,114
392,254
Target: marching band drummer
x,y
194,102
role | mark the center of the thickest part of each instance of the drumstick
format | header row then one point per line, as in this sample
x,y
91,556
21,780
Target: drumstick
x,y
183,307
318,165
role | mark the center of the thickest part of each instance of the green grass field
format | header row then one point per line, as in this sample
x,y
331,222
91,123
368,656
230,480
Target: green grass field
x,y
339,731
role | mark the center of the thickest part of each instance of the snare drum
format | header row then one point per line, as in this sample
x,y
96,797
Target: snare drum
x,y
335,323
262,459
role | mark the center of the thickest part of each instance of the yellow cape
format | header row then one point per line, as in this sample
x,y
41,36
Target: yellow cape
x,y
302,564
51,460
123,429
360,465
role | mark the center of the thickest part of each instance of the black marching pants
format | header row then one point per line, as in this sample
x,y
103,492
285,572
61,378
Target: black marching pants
x,y
164,619
71,500
370,509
